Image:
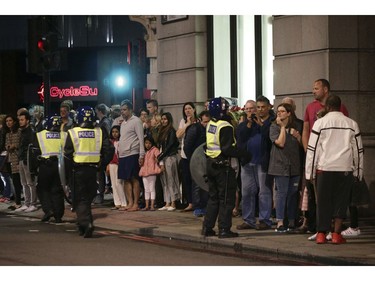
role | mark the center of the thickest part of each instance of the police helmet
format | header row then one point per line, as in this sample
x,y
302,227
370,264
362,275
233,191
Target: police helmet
x,y
218,107
53,123
85,115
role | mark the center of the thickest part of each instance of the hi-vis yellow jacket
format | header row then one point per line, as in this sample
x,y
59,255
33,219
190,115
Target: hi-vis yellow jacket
x,y
50,143
213,137
87,144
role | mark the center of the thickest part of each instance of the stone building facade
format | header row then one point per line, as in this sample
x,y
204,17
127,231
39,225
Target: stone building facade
x,y
305,48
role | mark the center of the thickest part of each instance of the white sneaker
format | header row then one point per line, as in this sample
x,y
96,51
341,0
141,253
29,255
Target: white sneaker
x,y
163,208
329,236
32,208
351,232
312,237
21,209
170,208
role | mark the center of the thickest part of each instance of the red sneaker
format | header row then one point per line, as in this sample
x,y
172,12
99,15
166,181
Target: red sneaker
x,y
337,238
321,238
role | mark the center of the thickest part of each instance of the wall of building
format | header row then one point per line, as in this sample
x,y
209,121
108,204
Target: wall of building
x,y
181,64
306,48
339,49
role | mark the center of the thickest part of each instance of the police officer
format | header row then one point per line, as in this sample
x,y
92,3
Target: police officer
x,y
49,190
221,146
86,148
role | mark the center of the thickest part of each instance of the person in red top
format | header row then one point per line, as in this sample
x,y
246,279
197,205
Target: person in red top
x,y
321,89
314,110
119,198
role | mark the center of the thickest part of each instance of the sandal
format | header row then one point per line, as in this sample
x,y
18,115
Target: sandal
x,y
235,213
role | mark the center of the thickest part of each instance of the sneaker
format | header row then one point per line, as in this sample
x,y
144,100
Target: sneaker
x,y
99,199
291,229
199,212
338,239
227,233
281,229
163,208
312,237
297,230
170,208
245,226
321,238
329,236
351,232
12,207
263,226
32,208
21,209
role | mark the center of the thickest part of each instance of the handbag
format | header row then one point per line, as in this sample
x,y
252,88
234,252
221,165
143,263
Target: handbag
x,y
360,193
3,160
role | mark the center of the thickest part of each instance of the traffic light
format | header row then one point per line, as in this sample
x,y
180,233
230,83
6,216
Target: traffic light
x,y
43,51
48,43
43,44
49,55
35,31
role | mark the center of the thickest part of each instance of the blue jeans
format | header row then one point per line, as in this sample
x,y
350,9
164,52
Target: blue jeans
x,y
199,196
286,197
253,179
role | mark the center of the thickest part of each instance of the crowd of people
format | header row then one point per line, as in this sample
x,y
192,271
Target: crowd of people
x,y
292,176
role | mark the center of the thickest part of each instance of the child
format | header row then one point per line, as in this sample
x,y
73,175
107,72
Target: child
x,y
119,198
148,172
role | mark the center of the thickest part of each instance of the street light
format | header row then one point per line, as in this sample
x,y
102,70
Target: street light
x,y
120,81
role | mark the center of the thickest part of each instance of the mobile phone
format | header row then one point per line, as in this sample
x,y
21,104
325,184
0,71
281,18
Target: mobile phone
x,y
253,116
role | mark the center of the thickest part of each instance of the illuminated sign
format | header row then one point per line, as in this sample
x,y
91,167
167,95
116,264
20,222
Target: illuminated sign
x,y
82,91
75,91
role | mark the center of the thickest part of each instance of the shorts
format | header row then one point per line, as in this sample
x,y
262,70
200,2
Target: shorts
x,y
128,167
333,193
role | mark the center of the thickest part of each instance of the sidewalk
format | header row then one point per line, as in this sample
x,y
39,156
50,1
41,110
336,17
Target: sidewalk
x,y
184,226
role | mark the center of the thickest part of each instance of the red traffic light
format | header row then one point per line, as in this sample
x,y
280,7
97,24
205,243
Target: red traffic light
x,y
43,44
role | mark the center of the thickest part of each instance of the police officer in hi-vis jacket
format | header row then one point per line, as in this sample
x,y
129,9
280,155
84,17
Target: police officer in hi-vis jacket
x,y
49,190
222,183
86,148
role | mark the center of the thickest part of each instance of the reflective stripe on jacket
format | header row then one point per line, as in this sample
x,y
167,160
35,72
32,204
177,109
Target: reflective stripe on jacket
x,y
213,137
87,144
50,143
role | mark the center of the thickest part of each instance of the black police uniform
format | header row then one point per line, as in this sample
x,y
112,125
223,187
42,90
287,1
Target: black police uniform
x,y
84,181
49,190
222,186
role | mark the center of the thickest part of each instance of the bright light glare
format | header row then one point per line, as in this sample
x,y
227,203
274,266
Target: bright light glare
x,y
120,81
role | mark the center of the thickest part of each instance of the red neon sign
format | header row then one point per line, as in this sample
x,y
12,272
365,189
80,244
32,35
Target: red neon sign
x,y
41,92
82,91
